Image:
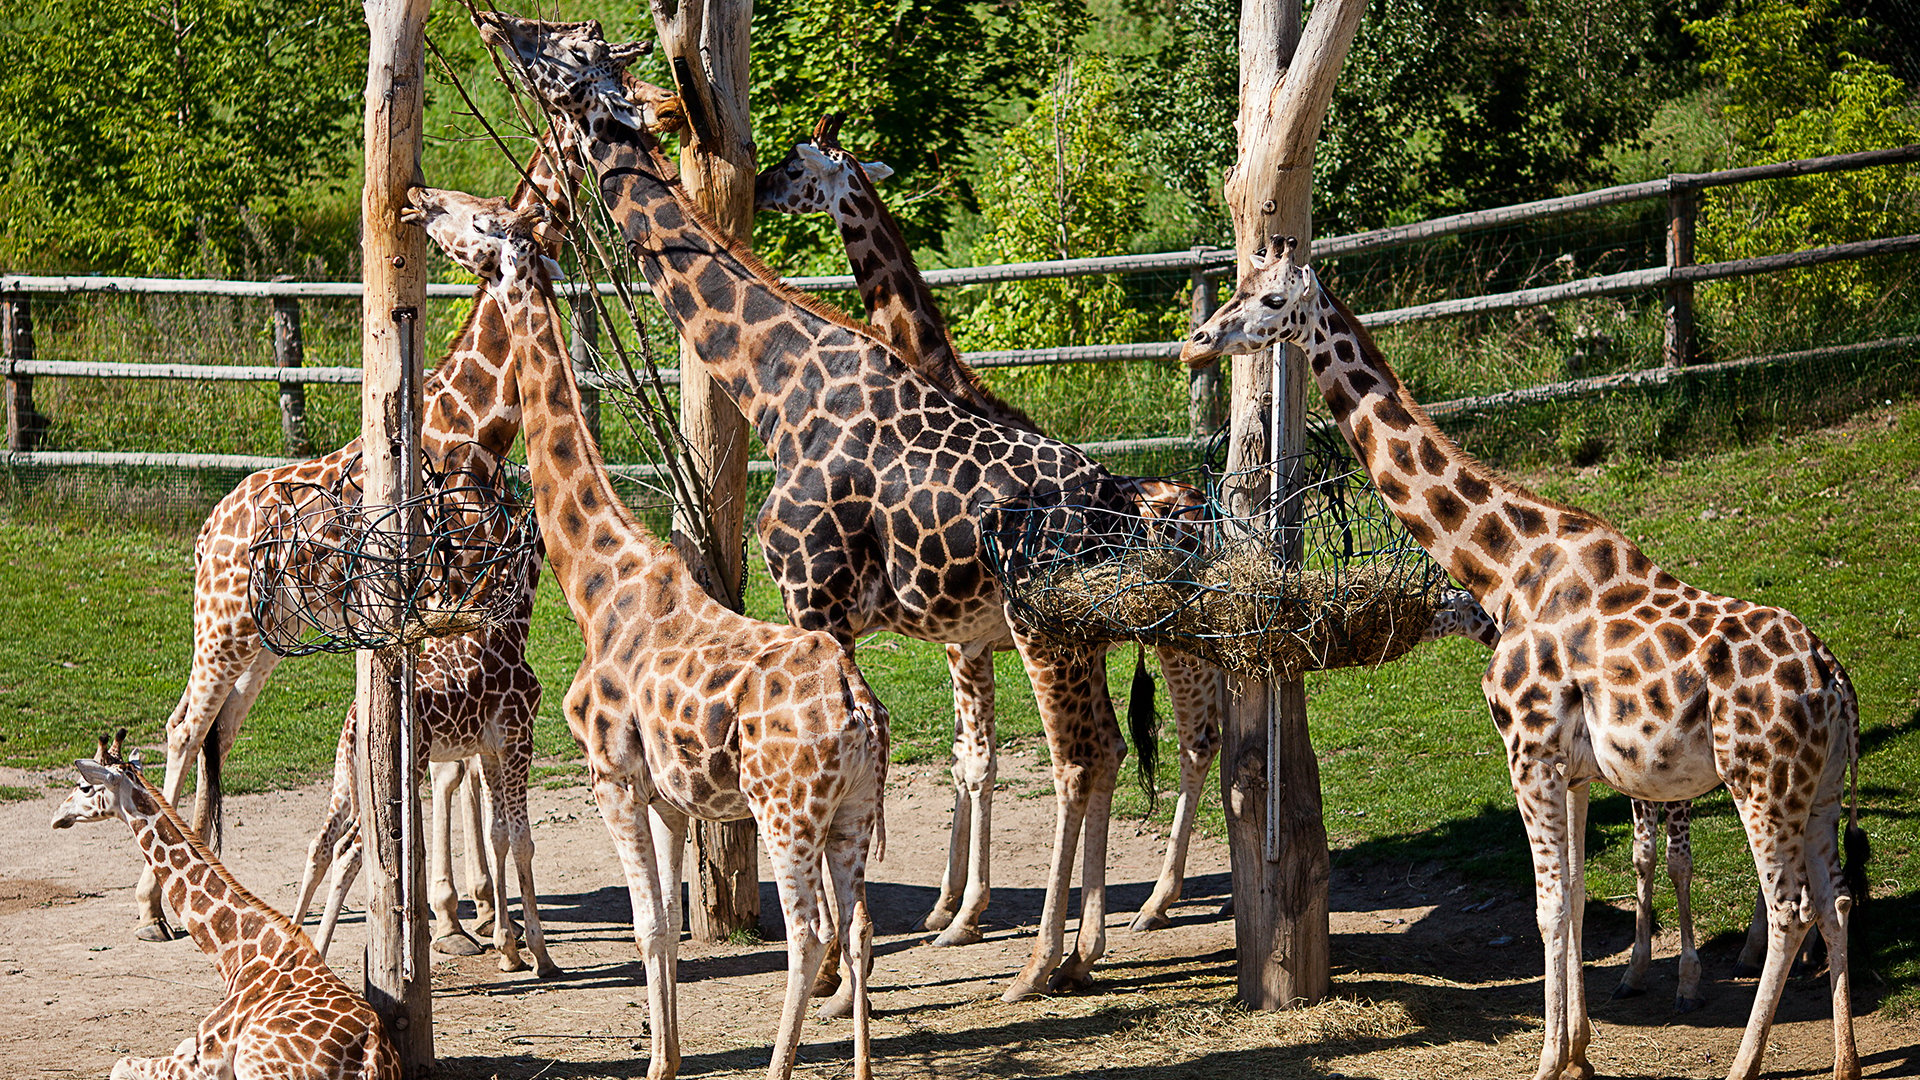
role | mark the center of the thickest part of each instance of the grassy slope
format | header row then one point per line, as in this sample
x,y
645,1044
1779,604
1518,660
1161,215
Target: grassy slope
x,y
1820,524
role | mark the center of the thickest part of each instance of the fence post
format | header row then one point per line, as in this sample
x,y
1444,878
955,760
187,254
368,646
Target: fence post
x,y
24,423
289,352
586,340
1203,386
1682,203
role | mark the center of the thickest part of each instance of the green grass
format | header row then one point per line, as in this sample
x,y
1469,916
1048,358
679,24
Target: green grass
x,y
1822,524
10,793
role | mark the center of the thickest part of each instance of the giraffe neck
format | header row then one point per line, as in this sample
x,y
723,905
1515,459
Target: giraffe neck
x,y
229,923
1481,527
776,353
901,305
472,395
587,530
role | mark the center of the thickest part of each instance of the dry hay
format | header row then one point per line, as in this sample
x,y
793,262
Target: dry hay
x,y
1239,608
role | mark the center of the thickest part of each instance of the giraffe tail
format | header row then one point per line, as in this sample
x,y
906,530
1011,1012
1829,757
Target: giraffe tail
x,y
1141,725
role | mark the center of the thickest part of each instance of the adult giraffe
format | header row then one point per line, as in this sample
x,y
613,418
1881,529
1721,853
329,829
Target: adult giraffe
x,y
471,410
1607,668
880,476
823,177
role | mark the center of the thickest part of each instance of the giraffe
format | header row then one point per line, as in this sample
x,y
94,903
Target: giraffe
x,y
285,1013
880,476
1607,668
471,409
684,706
476,700
1460,616
823,177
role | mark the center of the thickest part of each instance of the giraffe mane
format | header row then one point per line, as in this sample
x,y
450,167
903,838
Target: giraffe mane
x,y
241,892
1449,448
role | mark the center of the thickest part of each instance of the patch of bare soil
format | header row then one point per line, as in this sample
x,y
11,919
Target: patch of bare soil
x,y
1423,986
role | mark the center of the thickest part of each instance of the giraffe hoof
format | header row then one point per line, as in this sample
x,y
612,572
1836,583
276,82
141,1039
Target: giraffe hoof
x,y
458,943
1745,971
1068,982
939,919
959,934
1625,991
825,985
1022,988
1688,1004
547,969
1150,920
512,962
157,930
837,1007
1226,909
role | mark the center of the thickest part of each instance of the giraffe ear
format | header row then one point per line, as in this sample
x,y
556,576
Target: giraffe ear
x,y
94,772
812,155
555,272
876,170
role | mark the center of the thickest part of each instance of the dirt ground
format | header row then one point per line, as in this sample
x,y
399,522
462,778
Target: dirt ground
x,y
1427,982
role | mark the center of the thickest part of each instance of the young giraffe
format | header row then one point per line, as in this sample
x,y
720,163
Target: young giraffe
x,y
1608,668
1460,616
285,1013
683,706
475,700
873,522
822,177
471,409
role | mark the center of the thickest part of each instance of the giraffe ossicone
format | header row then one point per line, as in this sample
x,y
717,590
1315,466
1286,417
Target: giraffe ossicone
x,y
1607,668
270,971
684,707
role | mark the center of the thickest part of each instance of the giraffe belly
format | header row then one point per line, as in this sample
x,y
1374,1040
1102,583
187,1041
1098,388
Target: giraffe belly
x,y
1670,763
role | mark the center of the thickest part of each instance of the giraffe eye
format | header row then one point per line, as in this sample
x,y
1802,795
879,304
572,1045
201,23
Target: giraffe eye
x,y
1274,300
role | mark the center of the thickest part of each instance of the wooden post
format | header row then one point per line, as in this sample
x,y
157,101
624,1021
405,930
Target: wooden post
x,y
1203,386
24,423
585,340
290,352
1270,778
705,42
393,339
1682,203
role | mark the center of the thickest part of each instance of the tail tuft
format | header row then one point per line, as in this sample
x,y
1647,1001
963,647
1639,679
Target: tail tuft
x,y
1142,726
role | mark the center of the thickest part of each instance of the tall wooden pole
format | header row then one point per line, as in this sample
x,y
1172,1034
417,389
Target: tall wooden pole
x,y
1269,777
398,979
705,42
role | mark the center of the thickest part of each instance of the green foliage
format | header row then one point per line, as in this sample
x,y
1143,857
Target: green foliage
x,y
136,138
1793,86
1060,186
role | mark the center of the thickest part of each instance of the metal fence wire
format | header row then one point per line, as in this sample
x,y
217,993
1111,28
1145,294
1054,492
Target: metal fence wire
x,y
330,575
1339,584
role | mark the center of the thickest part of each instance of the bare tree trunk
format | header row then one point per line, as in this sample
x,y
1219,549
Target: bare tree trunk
x,y
398,978
1270,779
706,42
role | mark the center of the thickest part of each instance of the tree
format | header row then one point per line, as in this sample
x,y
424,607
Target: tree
x,y
132,137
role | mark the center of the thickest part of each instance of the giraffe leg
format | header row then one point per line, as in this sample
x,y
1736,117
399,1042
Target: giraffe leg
x,y
339,820
184,1064
1686,996
1832,909
1091,942
1754,952
1579,1027
346,867
965,891
628,822
208,804
1780,850
1197,691
796,866
846,867
512,834
484,879
1633,982
449,937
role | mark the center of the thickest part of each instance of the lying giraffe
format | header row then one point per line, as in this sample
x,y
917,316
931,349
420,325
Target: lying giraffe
x,y
1607,668
285,1013
822,177
683,706
880,477
477,700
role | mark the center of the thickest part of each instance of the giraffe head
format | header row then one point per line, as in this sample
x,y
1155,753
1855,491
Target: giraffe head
x,y
814,176
1270,306
107,784
570,67
485,236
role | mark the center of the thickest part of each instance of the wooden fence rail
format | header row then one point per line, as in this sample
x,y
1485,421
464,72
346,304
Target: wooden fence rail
x,y
1203,265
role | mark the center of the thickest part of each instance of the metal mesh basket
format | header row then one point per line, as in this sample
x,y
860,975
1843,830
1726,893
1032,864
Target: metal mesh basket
x,y
1344,586
325,577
